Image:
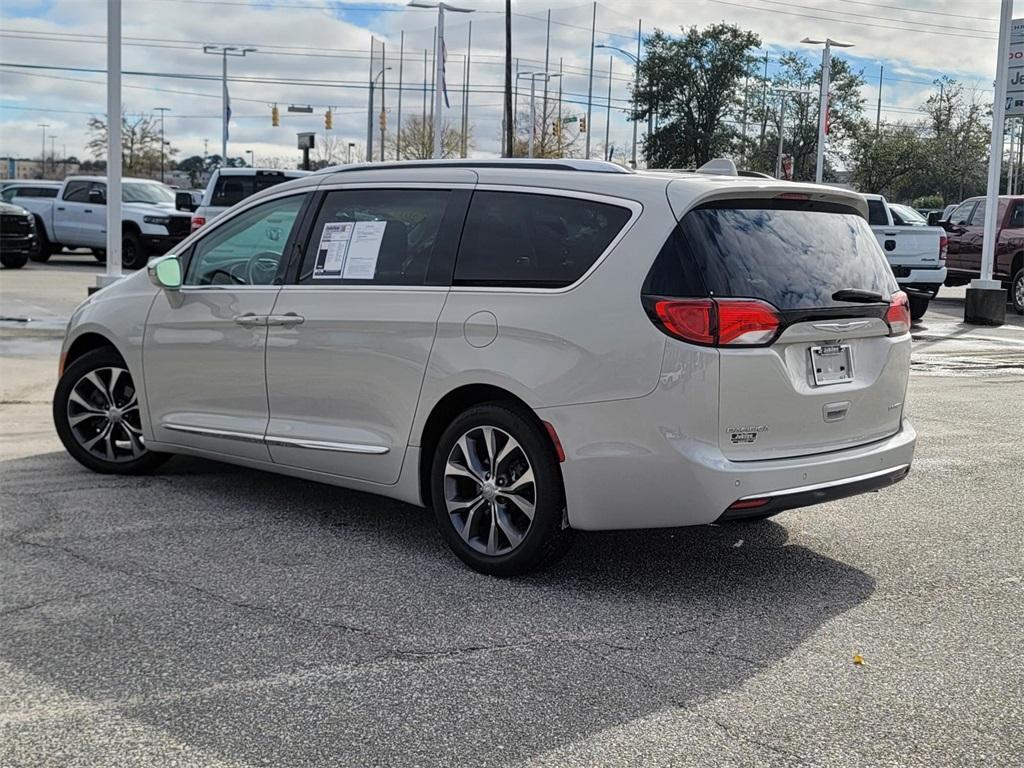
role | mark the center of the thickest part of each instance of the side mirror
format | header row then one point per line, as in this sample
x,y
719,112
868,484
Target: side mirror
x,y
183,202
165,272
934,218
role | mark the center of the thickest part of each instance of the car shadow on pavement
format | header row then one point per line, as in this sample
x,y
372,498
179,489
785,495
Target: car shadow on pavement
x,y
267,620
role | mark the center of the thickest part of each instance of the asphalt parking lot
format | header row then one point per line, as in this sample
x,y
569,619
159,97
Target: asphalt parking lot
x,y
214,616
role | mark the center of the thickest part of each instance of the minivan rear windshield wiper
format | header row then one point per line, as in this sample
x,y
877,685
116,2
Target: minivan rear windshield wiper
x,y
859,295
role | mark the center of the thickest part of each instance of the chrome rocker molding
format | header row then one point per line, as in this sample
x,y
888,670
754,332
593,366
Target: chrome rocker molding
x,y
287,442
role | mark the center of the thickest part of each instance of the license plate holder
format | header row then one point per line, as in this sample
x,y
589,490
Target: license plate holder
x,y
831,364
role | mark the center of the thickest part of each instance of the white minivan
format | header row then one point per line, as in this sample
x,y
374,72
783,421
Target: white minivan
x,y
528,347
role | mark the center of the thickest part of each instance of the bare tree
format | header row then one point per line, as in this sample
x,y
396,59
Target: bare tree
x,y
140,142
418,140
551,138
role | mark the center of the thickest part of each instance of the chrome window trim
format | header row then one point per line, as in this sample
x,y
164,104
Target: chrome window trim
x,y
635,207
287,442
829,484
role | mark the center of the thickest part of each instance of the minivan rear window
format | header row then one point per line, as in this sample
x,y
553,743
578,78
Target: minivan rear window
x,y
791,256
231,189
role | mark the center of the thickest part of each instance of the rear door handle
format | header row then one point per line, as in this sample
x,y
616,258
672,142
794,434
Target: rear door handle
x,y
60,208
286,320
249,319
87,210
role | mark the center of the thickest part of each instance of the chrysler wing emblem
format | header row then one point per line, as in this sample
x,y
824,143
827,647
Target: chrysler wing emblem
x,y
852,325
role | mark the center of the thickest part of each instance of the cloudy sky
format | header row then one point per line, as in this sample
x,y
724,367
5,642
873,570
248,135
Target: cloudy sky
x,y
316,52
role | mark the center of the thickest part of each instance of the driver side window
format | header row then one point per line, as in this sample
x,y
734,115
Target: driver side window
x,y
247,250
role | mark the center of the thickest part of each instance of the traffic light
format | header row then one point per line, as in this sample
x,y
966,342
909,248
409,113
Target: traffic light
x,y
275,116
383,120
583,125
328,120
556,129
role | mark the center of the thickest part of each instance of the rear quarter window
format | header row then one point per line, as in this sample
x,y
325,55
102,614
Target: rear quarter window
x,y
519,239
876,214
792,256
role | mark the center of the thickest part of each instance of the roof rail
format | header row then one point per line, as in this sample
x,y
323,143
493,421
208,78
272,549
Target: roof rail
x,y
517,163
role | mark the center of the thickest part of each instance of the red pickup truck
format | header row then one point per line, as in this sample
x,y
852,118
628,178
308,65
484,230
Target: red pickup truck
x,y
965,226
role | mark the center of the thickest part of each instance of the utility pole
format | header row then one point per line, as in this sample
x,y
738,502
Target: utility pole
x,y
383,118
465,95
782,119
163,143
878,111
608,112
441,87
224,52
53,154
509,141
42,155
547,68
401,67
590,84
826,64
764,101
560,125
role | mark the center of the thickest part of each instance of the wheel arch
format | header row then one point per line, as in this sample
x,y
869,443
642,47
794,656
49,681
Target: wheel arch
x,y
130,226
1016,263
447,408
86,342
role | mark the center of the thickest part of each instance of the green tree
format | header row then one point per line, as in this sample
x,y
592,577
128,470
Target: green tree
x,y
846,110
959,144
691,87
885,161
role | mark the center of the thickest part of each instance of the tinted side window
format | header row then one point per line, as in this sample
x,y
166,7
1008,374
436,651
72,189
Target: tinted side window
x,y
978,217
247,249
232,189
374,237
961,213
531,240
876,214
47,191
1017,217
77,192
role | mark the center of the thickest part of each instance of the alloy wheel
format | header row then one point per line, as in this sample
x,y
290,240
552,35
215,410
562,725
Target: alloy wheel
x,y
103,414
1018,289
489,490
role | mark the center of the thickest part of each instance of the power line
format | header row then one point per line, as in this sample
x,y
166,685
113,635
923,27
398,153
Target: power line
x,y
858,23
880,18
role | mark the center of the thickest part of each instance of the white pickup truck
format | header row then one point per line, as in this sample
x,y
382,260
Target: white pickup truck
x,y
916,252
77,218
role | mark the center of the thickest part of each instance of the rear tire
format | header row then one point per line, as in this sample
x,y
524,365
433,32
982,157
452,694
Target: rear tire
x,y
14,260
918,306
1017,291
97,415
497,491
100,255
46,248
133,255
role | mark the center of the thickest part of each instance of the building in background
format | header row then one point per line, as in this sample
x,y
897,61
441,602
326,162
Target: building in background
x,y
24,168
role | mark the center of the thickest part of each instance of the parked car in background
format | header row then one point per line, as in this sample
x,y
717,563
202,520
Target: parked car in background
x,y
18,240
966,227
528,347
9,190
230,186
77,218
916,251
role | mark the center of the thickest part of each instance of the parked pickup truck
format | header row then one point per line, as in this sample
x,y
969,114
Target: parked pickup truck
x,y
965,227
916,251
77,218
230,186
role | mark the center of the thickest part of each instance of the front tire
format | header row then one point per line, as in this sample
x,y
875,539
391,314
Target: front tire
x,y
497,491
46,248
96,412
133,255
1017,291
14,260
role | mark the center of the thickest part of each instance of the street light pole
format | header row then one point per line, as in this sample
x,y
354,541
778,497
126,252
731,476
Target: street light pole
x,y
636,79
224,52
440,87
369,118
547,76
163,144
782,119
826,63
113,270
53,154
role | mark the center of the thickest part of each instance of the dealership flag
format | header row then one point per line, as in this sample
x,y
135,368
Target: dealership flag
x,y
444,73
227,112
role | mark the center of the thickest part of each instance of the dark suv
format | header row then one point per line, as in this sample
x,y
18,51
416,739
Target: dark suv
x,y
18,238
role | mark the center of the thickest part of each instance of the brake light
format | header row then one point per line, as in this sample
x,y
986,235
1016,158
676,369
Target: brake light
x,y
802,197
747,504
719,322
197,222
898,314
943,247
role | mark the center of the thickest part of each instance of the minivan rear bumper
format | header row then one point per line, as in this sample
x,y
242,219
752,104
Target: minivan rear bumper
x,y
621,471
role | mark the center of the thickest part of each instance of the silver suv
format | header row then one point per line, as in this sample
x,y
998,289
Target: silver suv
x,y
527,347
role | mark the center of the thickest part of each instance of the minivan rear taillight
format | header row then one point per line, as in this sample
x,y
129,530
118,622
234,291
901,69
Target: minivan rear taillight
x,y
718,322
898,315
